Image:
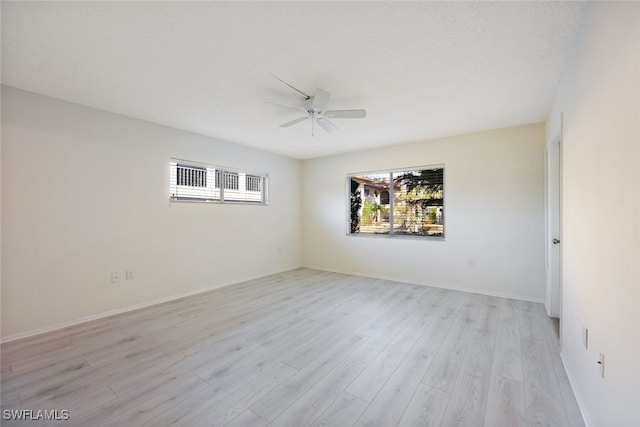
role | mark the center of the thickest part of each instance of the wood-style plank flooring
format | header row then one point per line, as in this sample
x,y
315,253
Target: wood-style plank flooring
x,y
302,348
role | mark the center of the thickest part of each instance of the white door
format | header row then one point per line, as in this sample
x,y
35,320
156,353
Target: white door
x,y
554,228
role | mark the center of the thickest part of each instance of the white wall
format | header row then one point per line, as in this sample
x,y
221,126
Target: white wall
x,y
600,95
85,193
494,213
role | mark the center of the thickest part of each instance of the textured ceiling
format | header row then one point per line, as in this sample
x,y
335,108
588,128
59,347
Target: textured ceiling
x,y
421,69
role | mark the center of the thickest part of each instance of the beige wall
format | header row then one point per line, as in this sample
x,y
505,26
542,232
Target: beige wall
x,y
85,193
599,96
494,213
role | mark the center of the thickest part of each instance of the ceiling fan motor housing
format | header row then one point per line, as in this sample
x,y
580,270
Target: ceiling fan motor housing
x,y
314,106
313,111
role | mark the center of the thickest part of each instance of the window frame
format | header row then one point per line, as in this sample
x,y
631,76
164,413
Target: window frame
x,y
391,191
218,184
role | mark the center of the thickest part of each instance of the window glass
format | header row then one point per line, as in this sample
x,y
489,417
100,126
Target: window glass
x,y
398,203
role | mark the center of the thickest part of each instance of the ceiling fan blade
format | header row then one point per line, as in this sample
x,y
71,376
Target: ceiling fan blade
x,y
320,100
291,87
326,124
346,114
293,122
284,107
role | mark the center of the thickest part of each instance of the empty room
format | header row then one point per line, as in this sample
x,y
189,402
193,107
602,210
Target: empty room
x,y
320,213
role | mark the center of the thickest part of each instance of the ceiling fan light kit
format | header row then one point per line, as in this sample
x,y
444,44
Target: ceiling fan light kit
x,y
314,108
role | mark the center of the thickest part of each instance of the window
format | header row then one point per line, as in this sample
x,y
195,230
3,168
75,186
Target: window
x,y
197,182
191,176
406,202
253,183
384,197
231,180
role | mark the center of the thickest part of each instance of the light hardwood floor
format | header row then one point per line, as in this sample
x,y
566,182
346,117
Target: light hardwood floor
x,y
301,348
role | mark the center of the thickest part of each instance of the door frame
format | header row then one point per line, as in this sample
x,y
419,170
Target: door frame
x,y
553,221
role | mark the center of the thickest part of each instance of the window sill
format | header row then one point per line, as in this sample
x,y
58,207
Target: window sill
x,y
397,236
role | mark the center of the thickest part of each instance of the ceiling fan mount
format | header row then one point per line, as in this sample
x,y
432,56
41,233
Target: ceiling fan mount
x,y
315,109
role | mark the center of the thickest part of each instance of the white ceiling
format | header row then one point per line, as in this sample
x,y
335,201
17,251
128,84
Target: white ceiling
x,y
421,69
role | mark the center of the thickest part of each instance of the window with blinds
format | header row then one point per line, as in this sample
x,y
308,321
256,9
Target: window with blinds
x,y
190,176
404,202
253,183
197,182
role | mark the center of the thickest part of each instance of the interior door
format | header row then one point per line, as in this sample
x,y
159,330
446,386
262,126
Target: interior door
x,y
554,228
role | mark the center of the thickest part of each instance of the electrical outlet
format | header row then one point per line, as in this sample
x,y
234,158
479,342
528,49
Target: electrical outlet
x,y
601,364
585,337
129,275
115,277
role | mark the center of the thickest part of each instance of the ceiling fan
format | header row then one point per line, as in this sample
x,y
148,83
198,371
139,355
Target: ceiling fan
x,y
314,108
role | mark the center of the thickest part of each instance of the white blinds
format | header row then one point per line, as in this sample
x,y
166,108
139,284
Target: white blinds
x,y
197,182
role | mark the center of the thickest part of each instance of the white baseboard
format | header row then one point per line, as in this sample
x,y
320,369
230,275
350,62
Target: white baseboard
x,y
585,415
104,314
432,284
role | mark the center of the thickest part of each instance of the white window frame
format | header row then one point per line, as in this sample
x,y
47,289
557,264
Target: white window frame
x,y
213,192
392,235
